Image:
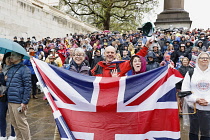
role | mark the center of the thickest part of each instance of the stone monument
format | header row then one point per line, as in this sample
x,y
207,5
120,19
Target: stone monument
x,y
173,15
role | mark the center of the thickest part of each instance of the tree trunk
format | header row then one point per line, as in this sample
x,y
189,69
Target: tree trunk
x,y
107,18
106,24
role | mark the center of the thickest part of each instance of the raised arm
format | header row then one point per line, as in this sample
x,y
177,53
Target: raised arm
x,y
143,52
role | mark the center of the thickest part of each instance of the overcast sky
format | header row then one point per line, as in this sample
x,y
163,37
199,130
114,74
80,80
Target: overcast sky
x,y
199,11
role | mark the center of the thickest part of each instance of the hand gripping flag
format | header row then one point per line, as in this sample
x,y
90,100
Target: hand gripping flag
x,y
138,107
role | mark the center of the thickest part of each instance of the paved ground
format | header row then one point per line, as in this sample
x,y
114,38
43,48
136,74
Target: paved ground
x,y
41,121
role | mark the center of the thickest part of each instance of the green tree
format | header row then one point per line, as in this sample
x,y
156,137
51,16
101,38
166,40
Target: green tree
x,y
111,14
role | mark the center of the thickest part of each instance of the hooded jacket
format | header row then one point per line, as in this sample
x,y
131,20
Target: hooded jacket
x,y
151,64
72,66
188,47
199,85
181,53
143,65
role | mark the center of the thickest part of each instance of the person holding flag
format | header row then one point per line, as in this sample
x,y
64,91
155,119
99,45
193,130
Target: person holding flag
x,y
107,68
76,65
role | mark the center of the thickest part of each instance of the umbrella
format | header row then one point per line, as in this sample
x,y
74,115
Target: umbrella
x,y
7,45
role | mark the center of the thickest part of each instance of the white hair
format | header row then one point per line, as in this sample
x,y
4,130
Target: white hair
x,y
80,50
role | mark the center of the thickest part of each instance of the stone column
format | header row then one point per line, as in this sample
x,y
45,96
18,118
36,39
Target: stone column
x,y
173,5
173,15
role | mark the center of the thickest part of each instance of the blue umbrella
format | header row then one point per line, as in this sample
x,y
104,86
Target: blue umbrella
x,y
7,45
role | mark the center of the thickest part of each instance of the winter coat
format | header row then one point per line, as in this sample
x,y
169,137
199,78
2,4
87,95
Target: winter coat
x,y
126,58
158,58
96,60
83,68
151,64
204,40
19,87
93,40
161,42
22,43
163,49
181,53
176,47
188,47
27,62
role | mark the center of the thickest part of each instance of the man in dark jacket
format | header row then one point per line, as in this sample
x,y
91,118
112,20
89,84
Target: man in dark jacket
x,y
181,52
97,58
189,46
203,39
69,58
22,42
18,81
158,54
15,39
125,55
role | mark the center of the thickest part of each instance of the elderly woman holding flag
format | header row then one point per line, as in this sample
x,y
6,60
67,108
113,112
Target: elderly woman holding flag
x,y
199,84
76,65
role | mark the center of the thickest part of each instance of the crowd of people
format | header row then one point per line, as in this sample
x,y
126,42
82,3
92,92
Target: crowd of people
x,y
112,54
168,46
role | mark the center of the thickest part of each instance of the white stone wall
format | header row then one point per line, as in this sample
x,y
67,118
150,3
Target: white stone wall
x,y
27,18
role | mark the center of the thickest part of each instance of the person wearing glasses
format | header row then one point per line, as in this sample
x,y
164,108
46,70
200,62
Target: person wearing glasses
x,y
199,85
111,68
78,62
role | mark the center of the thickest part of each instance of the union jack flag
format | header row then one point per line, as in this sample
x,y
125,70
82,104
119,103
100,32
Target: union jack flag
x,y
138,107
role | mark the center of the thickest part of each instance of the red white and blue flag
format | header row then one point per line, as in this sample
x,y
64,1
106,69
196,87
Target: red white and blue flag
x,y
138,107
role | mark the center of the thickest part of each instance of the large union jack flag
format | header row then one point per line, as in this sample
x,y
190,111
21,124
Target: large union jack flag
x,y
139,107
